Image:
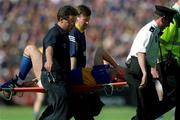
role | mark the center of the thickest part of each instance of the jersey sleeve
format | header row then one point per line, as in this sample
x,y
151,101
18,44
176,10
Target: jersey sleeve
x,y
73,45
50,39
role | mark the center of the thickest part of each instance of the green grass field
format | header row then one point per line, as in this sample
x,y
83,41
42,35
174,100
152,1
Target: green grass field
x,y
108,113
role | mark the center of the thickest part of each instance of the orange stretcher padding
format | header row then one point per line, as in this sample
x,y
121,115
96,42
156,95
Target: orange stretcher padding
x,y
76,89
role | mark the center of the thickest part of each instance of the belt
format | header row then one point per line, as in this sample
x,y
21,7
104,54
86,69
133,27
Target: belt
x,y
128,62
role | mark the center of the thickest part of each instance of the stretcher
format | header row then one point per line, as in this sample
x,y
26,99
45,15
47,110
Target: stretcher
x,y
82,80
76,89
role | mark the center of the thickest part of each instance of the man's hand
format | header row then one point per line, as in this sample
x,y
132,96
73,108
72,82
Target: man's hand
x,y
48,65
154,73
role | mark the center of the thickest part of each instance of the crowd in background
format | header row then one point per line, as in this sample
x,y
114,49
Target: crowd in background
x,y
114,24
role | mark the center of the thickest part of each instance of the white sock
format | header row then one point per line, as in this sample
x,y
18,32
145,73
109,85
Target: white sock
x,y
20,82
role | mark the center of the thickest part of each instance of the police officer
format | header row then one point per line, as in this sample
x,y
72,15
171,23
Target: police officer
x,y
142,59
170,45
56,65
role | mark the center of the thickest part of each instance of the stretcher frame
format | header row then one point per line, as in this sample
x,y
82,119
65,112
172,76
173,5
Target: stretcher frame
x,y
76,89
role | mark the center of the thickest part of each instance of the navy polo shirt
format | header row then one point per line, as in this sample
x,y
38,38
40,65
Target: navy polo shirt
x,y
58,39
78,46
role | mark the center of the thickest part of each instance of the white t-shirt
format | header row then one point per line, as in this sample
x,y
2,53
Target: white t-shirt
x,y
147,41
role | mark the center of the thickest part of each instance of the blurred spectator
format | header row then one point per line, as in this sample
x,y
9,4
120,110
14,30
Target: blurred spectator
x,y
114,23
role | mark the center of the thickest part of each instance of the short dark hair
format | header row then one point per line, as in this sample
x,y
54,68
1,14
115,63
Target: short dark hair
x,y
84,10
66,11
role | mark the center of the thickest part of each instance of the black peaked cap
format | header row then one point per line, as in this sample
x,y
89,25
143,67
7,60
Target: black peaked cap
x,y
165,11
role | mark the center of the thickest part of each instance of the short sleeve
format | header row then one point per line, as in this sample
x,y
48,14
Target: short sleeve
x,y
143,38
50,39
73,45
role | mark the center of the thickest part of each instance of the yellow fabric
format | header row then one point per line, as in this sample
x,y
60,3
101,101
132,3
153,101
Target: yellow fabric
x,y
169,32
171,35
88,79
79,28
40,49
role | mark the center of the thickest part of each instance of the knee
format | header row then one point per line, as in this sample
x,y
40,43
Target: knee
x,y
29,49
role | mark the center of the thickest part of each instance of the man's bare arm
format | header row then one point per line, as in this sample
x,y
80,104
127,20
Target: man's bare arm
x,y
142,64
73,63
49,62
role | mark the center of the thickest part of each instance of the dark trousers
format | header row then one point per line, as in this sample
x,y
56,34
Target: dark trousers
x,y
86,106
177,112
170,76
146,97
58,100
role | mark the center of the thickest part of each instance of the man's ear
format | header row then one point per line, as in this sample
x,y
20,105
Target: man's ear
x,y
164,19
60,19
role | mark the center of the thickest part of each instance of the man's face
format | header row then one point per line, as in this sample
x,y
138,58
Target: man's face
x,y
165,22
83,21
70,22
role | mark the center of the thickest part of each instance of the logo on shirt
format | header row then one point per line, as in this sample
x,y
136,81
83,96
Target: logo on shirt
x,y
152,29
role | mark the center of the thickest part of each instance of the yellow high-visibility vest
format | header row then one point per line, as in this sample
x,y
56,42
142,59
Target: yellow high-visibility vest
x,y
170,40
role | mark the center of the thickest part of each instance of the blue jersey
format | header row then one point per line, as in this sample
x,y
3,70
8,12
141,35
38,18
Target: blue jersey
x,y
99,74
78,46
